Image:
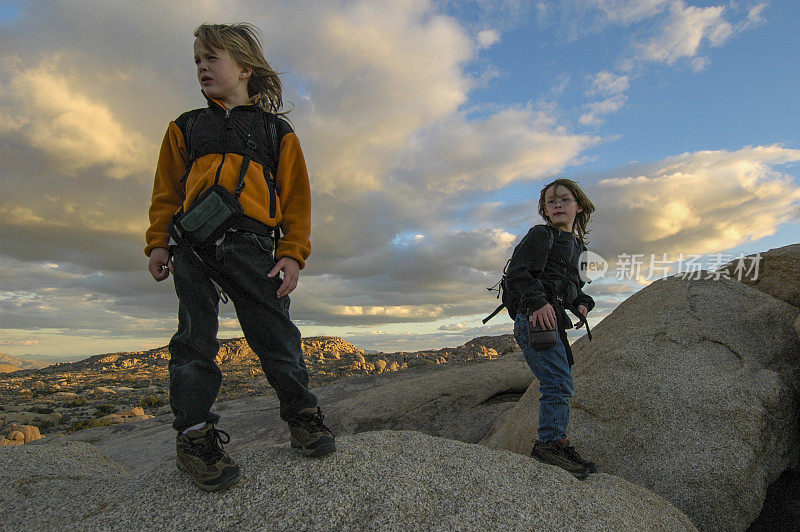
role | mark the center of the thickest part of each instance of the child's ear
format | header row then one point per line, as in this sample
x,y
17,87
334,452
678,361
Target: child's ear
x,y
246,72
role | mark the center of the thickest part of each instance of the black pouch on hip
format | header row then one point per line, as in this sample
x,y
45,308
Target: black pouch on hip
x,y
539,337
210,216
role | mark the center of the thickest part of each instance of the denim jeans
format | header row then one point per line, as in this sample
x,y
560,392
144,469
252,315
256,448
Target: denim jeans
x,y
555,382
243,261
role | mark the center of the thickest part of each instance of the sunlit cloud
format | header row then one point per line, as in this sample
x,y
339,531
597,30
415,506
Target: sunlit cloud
x,y
6,342
41,109
699,202
457,155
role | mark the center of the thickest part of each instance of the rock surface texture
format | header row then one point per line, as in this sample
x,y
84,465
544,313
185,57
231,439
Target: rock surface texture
x,y
689,388
456,401
778,273
381,480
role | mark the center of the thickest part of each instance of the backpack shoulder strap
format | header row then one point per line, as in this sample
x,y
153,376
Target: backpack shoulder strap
x,y
185,123
276,128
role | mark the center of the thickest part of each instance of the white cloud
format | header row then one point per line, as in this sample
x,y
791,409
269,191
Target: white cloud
x,y
372,75
598,110
608,83
686,29
627,11
457,155
41,109
700,202
486,38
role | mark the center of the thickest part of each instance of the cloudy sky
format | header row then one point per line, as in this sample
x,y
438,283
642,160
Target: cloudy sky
x,y
428,128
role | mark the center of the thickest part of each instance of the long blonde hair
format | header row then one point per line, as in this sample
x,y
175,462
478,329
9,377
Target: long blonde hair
x,y
579,228
242,42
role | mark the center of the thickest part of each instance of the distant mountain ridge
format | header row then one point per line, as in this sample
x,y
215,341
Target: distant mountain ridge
x,y
331,353
99,389
9,363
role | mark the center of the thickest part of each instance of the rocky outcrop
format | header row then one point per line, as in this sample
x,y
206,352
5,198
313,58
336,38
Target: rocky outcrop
x,y
19,415
15,434
375,481
778,273
126,416
689,389
83,392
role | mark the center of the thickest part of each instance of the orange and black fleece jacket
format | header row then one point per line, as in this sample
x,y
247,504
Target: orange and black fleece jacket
x,y
292,212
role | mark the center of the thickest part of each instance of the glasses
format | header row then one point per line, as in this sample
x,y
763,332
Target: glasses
x,y
565,202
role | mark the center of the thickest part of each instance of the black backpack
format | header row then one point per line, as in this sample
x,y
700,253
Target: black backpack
x,y
507,301
264,126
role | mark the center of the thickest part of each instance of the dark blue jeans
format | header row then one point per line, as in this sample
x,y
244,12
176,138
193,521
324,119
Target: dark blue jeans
x,y
555,382
243,261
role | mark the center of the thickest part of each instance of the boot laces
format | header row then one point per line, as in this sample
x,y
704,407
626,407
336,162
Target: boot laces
x,y
573,455
312,422
211,450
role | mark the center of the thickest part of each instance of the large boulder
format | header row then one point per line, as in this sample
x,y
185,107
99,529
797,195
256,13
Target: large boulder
x,y
382,480
460,402
689,388
20,434
778,272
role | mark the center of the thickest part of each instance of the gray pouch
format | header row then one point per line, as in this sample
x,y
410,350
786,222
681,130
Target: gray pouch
x,y
210,216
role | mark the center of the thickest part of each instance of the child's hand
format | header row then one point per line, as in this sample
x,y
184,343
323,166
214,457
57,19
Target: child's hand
x,y
546,317
583,310
160,266
291,272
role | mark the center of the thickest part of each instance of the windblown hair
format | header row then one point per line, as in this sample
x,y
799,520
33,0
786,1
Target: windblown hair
x,y
242,42
579,227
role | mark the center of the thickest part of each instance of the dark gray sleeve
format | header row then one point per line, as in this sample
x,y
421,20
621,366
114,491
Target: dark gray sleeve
x,y
583,299
526,267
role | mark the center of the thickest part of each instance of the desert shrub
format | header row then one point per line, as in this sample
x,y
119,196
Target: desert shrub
x,y
152,400
87,424
44,425
104,409
41,410
78,401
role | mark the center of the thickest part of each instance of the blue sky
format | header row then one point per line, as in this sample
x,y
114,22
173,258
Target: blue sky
x,y
429,129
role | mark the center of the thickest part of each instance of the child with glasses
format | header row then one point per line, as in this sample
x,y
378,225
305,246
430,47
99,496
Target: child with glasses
x,y
543,281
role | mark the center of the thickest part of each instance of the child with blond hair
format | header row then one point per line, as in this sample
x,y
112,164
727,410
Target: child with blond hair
x,y
230,212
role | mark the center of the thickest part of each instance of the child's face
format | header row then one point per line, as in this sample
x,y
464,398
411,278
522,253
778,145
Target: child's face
x,y
220,76
561,207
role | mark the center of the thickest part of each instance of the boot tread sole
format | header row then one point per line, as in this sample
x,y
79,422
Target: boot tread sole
x,y
229,477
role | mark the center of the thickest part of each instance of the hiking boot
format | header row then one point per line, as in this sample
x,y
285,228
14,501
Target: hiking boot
x,y
570,451
310,436
553,453
199,453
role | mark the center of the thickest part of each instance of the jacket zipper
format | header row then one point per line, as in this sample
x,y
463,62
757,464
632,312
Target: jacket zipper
x,y
272,183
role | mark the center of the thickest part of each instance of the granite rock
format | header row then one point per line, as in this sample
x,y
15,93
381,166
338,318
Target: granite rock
x,y
689,388
383,480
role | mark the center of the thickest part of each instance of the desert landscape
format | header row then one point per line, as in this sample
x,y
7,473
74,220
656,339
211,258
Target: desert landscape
x,y
691,411
121,387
